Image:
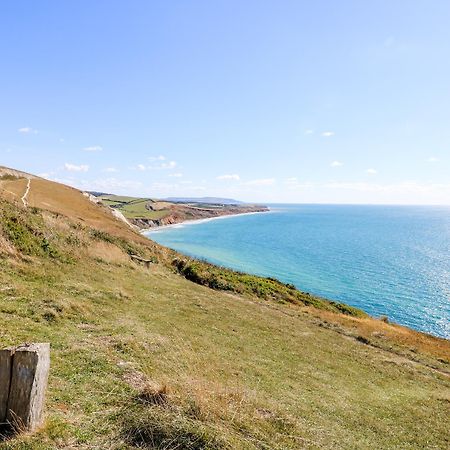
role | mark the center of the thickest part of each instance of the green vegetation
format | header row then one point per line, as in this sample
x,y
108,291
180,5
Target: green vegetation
x,y
135,208
27,233
147,359
222,279
9,177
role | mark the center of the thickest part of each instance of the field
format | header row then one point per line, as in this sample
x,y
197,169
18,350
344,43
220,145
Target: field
x,y
188,355
136,208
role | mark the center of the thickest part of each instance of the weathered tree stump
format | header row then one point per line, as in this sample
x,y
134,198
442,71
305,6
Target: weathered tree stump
x,y
29,368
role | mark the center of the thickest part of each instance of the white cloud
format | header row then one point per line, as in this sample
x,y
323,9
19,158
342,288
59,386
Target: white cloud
x,y
27,130
372,171
167,165
176,175
309,131
328,133
110,169
432,159
336,164
76,168
407,187
158,189
156,158
110,184
93,148
295,183
235,177
261,182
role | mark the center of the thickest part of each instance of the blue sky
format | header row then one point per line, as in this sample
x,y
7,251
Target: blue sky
x,y
268,101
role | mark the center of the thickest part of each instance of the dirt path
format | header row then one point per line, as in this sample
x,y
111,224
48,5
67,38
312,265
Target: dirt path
x,y
24,197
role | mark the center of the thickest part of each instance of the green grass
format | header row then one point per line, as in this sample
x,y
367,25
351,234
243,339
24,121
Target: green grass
x,y
134,208
147,359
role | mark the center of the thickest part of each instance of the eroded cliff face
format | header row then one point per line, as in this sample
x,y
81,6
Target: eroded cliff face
x,y
183,213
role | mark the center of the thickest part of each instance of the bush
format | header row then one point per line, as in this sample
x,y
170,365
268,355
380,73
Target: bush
x,y
25,231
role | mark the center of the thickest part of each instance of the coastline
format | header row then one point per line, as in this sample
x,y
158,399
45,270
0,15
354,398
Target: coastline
x,y
183,223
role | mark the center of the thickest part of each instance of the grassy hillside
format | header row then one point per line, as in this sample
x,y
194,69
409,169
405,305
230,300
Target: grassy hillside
x,y
147,358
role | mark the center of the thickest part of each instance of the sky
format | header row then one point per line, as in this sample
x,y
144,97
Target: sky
x,y
262,101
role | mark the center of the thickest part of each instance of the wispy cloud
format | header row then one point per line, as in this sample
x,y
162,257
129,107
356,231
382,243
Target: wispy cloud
x,y
372,171
93,148
76,168
160,164
328,133
27,130
111,184
110,170
46,175
295,183
432,159
309,131
176,175
402,187
336,164
167,165
261,182
156,158
234,176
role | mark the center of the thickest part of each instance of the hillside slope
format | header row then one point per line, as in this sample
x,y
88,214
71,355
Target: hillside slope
x,y
144,358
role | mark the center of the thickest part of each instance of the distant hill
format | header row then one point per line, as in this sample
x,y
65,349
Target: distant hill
x,y
210,200
98,194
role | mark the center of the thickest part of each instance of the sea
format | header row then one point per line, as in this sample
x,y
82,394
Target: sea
x,y
390,261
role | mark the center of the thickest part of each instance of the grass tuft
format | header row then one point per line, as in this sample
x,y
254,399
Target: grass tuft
x,y
156,428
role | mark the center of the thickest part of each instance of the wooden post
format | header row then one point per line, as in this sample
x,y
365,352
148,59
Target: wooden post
x,y
29,375
5,381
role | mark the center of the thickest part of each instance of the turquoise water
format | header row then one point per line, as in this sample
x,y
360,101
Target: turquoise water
x,y
386,260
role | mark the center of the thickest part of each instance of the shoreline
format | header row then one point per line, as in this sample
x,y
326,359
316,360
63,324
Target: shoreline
x,y
183,223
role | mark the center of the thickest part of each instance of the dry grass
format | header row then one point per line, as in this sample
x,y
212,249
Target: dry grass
x,y
108,253
13,190
379,332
